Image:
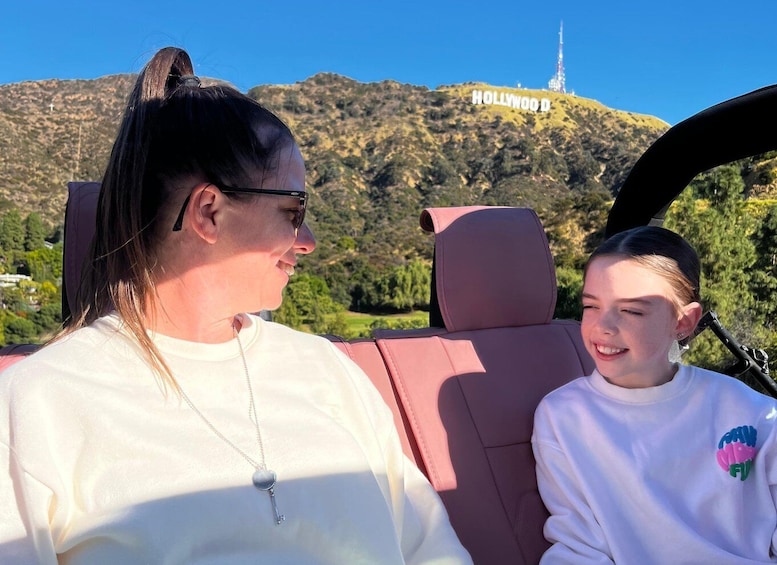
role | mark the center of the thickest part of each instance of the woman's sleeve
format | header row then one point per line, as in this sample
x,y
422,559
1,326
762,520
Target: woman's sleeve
x,y
24,533
421,520
572,529
25,536
427,534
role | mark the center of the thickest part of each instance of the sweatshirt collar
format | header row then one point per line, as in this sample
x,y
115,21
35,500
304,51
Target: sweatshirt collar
x,y
679,383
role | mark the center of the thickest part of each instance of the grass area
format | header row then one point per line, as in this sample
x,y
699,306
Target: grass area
x,y
361,324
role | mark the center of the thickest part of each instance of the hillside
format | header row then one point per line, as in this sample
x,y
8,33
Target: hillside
x,y
377,154
54,131
354,135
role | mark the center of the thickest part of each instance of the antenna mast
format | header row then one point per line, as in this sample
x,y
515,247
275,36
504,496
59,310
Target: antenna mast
x,y
558,82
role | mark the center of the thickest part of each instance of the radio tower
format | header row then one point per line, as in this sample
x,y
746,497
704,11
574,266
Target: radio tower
x,y
557,83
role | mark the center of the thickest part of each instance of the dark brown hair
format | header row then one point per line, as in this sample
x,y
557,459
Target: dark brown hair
x,y
174,133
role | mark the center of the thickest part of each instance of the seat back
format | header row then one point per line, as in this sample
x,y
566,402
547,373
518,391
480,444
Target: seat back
x,y
15,352
365,353
80,212
469,390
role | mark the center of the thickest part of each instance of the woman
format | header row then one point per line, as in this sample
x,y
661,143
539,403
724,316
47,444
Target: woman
x,y
167,425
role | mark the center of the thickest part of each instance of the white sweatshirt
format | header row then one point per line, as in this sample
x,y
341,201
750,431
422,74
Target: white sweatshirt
x,y
98,466
680,473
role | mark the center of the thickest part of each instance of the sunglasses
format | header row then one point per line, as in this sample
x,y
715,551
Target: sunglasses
x,y
299,217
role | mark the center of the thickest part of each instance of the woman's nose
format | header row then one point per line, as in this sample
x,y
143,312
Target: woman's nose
x,y
306,241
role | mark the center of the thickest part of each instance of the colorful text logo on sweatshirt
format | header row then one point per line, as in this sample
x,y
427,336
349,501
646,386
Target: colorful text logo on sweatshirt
x,y
736,451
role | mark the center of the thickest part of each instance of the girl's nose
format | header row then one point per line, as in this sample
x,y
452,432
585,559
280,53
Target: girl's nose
x,y
607,322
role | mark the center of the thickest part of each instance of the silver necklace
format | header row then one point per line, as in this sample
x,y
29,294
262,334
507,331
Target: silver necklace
x,y
264,479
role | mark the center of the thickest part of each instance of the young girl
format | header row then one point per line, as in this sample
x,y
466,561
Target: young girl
x,y
648,461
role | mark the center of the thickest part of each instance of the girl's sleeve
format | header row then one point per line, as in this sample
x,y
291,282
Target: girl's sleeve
x,y
572,529
770,450
773,489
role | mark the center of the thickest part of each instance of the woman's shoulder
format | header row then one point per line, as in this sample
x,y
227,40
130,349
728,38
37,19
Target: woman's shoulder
x,y
309,356
80,352
282,334
303,351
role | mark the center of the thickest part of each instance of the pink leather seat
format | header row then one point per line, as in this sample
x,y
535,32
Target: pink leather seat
x,y
365,353
469,390
14,352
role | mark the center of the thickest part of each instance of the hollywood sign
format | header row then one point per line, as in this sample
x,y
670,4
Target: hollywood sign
x,y
528,103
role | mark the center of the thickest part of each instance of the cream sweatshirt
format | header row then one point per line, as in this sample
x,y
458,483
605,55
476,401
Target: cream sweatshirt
x,y
98,466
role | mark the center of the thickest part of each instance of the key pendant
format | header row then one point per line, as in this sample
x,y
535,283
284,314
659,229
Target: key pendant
x,y
264,479
278,516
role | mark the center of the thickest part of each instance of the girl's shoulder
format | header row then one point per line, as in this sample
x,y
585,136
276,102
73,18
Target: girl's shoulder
x,y
572,391
717,384
691,383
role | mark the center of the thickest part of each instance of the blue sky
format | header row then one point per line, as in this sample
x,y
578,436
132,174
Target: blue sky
x,y
669,59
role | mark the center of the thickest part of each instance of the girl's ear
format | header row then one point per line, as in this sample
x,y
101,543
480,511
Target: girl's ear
x,y
689,317
204,211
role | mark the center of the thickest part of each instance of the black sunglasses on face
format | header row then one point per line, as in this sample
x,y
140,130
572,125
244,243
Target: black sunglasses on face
x,y
299,218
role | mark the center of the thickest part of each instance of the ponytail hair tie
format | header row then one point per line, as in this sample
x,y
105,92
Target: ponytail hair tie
x,y
191,81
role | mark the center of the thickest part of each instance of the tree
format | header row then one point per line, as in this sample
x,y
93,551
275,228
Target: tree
x,y
12,232
719,230
400,289
20,330
34,232
14,299
45,264
47,319
307,301
570,288
764,278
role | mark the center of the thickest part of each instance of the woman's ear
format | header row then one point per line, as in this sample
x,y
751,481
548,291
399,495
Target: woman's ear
x,y
690,314
204,210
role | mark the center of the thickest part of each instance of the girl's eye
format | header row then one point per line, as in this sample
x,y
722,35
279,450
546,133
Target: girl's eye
x,y
632,312
588,306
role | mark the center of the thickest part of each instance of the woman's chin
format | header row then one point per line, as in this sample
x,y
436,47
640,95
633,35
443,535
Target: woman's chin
x,y
271,305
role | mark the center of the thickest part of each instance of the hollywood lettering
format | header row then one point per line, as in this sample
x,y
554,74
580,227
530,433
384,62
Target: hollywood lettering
x,y
496,98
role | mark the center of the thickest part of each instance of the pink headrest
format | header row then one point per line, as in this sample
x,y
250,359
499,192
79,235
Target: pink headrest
x,y
80,215
493,267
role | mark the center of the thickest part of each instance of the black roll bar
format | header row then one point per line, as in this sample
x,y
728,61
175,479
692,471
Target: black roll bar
x,y
749,360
